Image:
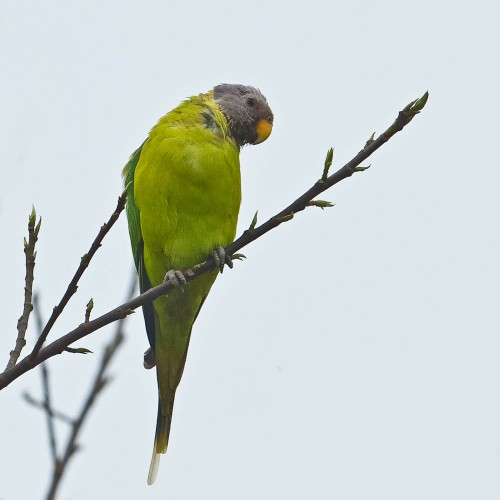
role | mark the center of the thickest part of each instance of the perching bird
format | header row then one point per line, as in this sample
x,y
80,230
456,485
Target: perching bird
x,y
183,198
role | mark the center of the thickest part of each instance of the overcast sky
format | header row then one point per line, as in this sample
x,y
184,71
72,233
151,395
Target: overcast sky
x,y
355,354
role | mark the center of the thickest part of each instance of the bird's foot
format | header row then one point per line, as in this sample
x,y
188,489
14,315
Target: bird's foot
x,y
175,277
221,258
149,359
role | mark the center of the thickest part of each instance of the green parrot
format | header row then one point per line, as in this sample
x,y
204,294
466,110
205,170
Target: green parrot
x,y
183,197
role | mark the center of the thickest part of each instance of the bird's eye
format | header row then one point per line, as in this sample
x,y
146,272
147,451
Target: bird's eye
x,y
251,102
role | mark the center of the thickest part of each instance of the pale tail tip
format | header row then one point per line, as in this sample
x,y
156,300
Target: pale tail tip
x,y
153,468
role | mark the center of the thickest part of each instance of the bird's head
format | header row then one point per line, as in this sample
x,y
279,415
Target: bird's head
x,y
249,116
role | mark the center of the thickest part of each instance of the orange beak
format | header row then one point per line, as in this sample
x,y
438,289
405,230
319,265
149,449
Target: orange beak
x,y
264,128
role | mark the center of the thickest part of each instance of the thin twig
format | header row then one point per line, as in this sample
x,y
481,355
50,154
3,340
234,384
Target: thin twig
x,y
47,399
49,412
120,312
22,322
73,285
42,406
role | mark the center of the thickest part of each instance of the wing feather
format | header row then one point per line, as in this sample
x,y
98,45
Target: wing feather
x,y
137,242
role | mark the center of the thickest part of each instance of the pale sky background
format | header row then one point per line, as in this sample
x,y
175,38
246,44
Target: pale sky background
x,y
355,354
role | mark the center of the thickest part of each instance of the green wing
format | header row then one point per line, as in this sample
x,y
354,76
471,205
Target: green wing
x,y
134,228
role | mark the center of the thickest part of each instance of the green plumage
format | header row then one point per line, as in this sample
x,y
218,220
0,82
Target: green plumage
x,y
183,188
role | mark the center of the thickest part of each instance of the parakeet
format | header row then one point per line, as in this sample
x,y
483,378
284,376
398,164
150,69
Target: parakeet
x,y
183,197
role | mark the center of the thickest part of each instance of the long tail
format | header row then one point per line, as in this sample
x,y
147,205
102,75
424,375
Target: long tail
x,y
163,422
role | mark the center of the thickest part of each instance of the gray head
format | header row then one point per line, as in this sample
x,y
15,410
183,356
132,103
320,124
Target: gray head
x,y
249,116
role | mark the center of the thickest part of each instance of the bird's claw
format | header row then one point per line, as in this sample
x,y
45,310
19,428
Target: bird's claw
x,y
175,277
221,258
239,256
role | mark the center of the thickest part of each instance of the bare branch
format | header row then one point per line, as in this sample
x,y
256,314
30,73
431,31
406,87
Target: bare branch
x,y
22,322
73,285
57,347
100,381
404,118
